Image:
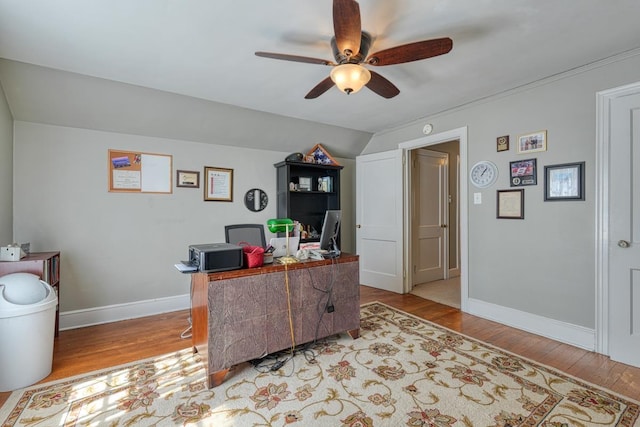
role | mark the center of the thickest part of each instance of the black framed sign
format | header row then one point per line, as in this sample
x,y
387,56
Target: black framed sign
x,y
564,182
523,172
510,204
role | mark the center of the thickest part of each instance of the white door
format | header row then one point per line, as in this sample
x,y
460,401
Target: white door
x,y
379,226
429,206
624,230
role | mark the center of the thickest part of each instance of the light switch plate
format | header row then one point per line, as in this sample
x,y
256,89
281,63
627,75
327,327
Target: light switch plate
x,y
477,198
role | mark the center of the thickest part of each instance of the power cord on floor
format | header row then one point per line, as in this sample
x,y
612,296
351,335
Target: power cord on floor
x,y
187,332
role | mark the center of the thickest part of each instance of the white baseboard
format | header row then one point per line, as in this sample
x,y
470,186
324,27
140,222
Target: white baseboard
x,y
560,331
113,313
568,333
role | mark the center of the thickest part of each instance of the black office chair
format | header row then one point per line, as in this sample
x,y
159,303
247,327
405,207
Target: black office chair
x,y
250,233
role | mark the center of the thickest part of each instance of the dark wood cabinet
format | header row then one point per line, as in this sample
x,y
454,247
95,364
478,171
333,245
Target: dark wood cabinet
x,y
46,265
306,191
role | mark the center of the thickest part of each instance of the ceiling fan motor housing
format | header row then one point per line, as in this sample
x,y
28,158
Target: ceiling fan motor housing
x,y
353,58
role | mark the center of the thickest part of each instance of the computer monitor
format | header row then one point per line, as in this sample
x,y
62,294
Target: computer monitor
x,y
330,229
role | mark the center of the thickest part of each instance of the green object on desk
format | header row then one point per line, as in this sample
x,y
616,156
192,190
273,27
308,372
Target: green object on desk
x,y
280,225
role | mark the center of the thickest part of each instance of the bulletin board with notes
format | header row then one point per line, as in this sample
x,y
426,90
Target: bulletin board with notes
x,y
137,172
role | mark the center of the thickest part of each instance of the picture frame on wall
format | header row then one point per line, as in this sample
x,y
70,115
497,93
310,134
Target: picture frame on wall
x,y
218,184
523,172
564,182
188,179
510,204
502,143
532,142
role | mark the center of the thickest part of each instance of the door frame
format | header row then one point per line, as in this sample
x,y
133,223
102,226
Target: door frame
x,y
443,203
459,134
603,124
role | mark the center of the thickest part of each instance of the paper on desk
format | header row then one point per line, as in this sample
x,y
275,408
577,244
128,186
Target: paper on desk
x,y
186,268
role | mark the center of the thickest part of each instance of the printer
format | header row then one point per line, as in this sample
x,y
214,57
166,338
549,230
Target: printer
x,y
215,257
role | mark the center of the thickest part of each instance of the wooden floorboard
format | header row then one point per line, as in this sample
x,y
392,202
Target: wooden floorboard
x,y
82,350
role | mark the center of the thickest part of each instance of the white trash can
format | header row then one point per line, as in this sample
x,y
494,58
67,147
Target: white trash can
x,y
27,327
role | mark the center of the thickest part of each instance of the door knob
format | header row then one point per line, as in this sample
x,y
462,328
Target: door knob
x,y
623,243
358,225
443,225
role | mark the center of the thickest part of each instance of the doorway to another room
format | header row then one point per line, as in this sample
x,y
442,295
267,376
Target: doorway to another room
x,y
384,224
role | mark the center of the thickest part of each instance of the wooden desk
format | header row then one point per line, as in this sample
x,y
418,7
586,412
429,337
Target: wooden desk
x,y
242,315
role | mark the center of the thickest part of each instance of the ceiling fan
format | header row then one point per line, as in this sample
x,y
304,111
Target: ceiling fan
x,y
350,47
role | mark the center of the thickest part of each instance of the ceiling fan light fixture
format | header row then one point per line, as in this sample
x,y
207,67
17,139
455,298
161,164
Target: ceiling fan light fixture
x,y
350,78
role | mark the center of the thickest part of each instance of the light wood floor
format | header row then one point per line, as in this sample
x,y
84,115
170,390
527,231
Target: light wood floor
x,y
82,350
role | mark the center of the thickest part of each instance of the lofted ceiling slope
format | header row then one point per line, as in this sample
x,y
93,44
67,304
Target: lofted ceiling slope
x,y
187,70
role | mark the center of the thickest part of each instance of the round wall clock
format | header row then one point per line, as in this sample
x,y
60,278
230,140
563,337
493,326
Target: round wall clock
x,y
256,200
483,174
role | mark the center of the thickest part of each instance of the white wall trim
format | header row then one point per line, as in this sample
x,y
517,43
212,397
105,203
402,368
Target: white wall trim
x,y
567,333
113,313
459,134
560,331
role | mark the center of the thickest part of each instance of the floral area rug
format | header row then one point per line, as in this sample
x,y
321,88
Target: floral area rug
x,y
402,371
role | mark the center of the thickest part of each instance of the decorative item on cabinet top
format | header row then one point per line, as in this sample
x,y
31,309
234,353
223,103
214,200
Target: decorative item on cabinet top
x,y
318,154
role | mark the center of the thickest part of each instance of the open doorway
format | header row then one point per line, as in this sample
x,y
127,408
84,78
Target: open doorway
x,y
434,236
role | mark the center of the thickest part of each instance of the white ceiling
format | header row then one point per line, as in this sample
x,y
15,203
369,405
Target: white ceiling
x,y
164,67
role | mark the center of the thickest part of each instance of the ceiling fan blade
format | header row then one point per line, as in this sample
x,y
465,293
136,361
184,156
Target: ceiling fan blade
x,y
411,52
347,26
382,86
294,58
320,88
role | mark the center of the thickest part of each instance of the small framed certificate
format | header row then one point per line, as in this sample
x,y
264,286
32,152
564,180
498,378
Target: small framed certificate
x,y
189,179
510,204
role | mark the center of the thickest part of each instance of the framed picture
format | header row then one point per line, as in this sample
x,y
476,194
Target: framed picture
x,y
190,179
564,182
218,184
304,183
502,143
510,204
523,172
532,142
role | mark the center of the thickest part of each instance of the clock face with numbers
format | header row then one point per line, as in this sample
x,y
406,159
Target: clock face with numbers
x,y
483,174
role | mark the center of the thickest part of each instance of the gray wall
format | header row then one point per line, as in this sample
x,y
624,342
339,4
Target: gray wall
x,y
120,248
544,264
6,172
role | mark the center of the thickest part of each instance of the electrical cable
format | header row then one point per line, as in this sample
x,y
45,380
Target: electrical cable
x,y
286,282
275,360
